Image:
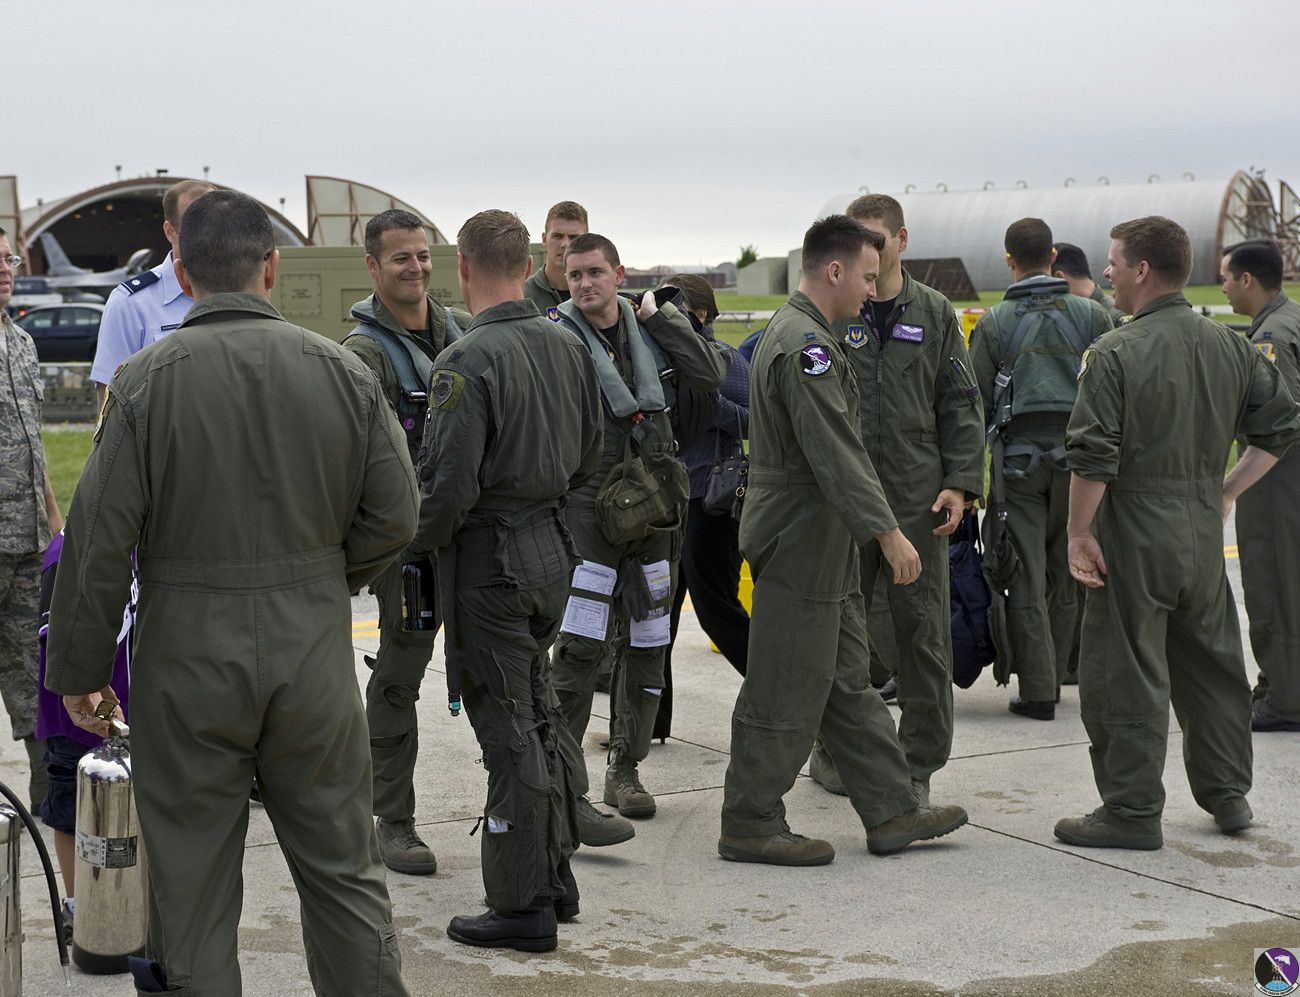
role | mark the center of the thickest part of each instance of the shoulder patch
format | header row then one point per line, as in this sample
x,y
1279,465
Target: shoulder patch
x,y
553,313
139,282
815,360
857,336
445,390
1084,361
1269,350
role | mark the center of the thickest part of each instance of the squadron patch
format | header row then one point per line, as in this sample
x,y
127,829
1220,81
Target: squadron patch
x,y
857,337
445,391
1084,361
553,313
814,360
1269,350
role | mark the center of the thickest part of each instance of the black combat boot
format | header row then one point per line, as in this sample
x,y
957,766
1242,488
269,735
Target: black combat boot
x,y
529,930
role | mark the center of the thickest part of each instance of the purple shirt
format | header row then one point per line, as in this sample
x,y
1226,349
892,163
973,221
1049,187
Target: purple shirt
x,y
52,719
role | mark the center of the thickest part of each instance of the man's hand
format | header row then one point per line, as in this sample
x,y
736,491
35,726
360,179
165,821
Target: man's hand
x,y
648,306
1087,563
82,710
952,502
901,555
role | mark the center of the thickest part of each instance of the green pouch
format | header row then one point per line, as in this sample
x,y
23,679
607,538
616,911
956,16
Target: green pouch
x,y
640,495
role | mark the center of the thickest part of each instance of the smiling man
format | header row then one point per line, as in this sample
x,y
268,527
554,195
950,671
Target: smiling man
x,y
814,500
1159,403
401,329
548,288
628,579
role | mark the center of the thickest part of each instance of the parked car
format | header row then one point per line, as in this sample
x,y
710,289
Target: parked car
x,y
63,332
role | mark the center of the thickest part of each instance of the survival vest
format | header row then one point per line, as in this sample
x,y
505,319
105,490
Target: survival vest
x,y
413,367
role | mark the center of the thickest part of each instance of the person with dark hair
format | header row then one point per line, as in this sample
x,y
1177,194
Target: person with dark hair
x,y
547,288
400,329
1071,266
207,445
1026,352
710,559
920,419
145,308
627,575
1159,404
29,517
514,425
1268,529
813,501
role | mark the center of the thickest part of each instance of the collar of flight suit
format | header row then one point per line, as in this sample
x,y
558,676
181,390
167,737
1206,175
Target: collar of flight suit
x,y
805,304
1277,301
1171,300
226,302
506,311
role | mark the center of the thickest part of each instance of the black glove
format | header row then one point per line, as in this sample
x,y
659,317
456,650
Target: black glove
x,y
632,591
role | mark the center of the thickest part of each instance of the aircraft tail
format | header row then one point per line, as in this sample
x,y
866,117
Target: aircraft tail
x,y
57,263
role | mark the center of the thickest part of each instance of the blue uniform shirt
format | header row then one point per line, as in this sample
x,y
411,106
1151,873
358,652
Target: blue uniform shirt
x,y
141,310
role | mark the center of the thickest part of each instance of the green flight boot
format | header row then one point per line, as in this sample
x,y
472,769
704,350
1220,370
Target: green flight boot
x,y
821,766
786,848
1103,829
597,829
917,824
402,849
1234,815
623,788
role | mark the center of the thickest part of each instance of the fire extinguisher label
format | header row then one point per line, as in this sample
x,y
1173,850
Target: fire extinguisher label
x,y
108,853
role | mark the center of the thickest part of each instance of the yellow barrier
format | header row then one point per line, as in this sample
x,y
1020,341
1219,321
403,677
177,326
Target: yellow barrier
x,y
969,316
745,593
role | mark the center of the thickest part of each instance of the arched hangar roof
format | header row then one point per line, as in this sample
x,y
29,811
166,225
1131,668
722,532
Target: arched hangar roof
x,y
971,224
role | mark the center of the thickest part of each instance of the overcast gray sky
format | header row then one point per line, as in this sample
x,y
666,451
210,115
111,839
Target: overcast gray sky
x,y
686,128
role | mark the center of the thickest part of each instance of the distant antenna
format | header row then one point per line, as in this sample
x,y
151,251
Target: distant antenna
x,y
1104,181
118,167
1153,178
909,188
988,185
206,170
1069,182
161,172
865,190
941,186
282,205
1189,175
1022,185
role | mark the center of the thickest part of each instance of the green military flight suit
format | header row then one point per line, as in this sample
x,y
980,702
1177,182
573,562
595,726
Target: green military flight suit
x,y
514,423
538,290
259,475
1159,402
399,666
1106,302
1043,605
813,501
922,427
1268,532
640,675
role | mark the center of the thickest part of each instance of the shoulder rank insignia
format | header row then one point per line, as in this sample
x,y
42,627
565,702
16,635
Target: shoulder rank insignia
x,y
814,360
445,391
139,282
857,337
809,337
1269,350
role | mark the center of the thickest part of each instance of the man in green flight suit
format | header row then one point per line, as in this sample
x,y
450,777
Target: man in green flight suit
x,y
1026,351
514,424
1071,265
1268,529
628,583
813,501
260,476
1160,401
400,328
922,426
547,288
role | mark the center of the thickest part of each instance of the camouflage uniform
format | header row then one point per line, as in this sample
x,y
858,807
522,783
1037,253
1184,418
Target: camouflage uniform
x,y
24,529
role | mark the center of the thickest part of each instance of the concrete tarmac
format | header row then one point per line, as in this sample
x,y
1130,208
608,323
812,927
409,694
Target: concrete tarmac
x,y
998,908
